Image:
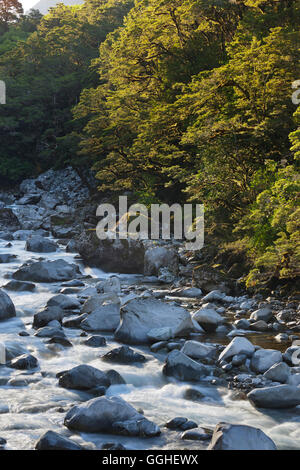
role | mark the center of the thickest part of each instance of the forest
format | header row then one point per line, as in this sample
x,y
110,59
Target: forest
x,y
167,101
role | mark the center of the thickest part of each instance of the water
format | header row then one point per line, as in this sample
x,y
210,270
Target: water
x,y
27,412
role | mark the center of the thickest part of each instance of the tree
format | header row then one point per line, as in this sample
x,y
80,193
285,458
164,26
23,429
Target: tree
x,y
10,10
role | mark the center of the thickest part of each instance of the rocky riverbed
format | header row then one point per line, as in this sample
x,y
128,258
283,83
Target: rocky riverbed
x,y
139,359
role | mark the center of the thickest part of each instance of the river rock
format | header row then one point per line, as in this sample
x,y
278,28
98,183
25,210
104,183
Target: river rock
x,y
198,350
8,220
208,319
263,359
94,341
259,325
23,235
104,318
110,415
47,271
195,435
27,361
46,315
139,316
157,257
264,314
189,292
237,346
63,301
39,244
50,332
109,285
6,236
7,308
183,368
278,373
280,396
19,286
120,256
83,377
123,355
239,437
7,257
53,441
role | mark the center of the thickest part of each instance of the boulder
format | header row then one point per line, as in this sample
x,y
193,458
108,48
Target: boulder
x,y
7,257
103,318
119,256
278,373
123,355
110,415
94,341
208,319
19,286
264,314
64,302
47,271
30,217
263,359
139,316
83,377
39,244
198,350
183,368
259,325
7,308
26,361
238,345
189,292
280,396
46,315
239,437
6,236
8,220
50,332
23,235
111,285
157,257
53,441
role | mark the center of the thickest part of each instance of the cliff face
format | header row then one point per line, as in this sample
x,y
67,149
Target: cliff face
x,y
44,5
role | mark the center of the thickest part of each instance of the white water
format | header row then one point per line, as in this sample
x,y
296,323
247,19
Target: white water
x,y
27,412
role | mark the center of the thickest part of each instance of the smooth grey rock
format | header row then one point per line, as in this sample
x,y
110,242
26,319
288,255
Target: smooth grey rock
x,y
280,396
157,257
238,345
47,271
38,244
83,377
139,316
103,318
94,341
19,286
46,315
7,257
64,302
264,314
27,361
198,350
110,415
123,355
49,332
7,308
263,359
53,441
208,319
239,437
278,373
184,368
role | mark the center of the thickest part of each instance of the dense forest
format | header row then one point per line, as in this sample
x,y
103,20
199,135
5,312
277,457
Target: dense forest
x,y
168,101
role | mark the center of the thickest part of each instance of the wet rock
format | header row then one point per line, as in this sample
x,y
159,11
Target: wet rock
x,y
64,302
60,340
263,359
238,360
121,256
19,286
109,285
23,333
195,435
114,377
6,236
54,441
294,379
30,217
83,377
27,361
50,332
198,350
157,257
208,319
242,324
158,346
103,318
282,338
46,315
113,446
259,325
193,394
38,244
278,373
139,316
16,382
184,368
110,415
123,355
239,437
264,314
8,220
238,345
95,341
7,308
160,334
23,234
280,396
7,257
47,271
74,321
73,283
176,423
189,292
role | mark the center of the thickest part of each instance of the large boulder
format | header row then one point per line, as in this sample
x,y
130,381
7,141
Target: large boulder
x,y
53,441
7,308
280,396
239,437
157,257
238,345
39,244
46,315
119,256
140,316
109,415
83,377
198,350
47,271
183,368
278,373
30,217
8,220
64,302
103,318
208,318
263,359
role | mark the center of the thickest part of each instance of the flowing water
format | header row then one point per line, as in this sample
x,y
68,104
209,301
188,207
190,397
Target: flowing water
x,y
27,412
